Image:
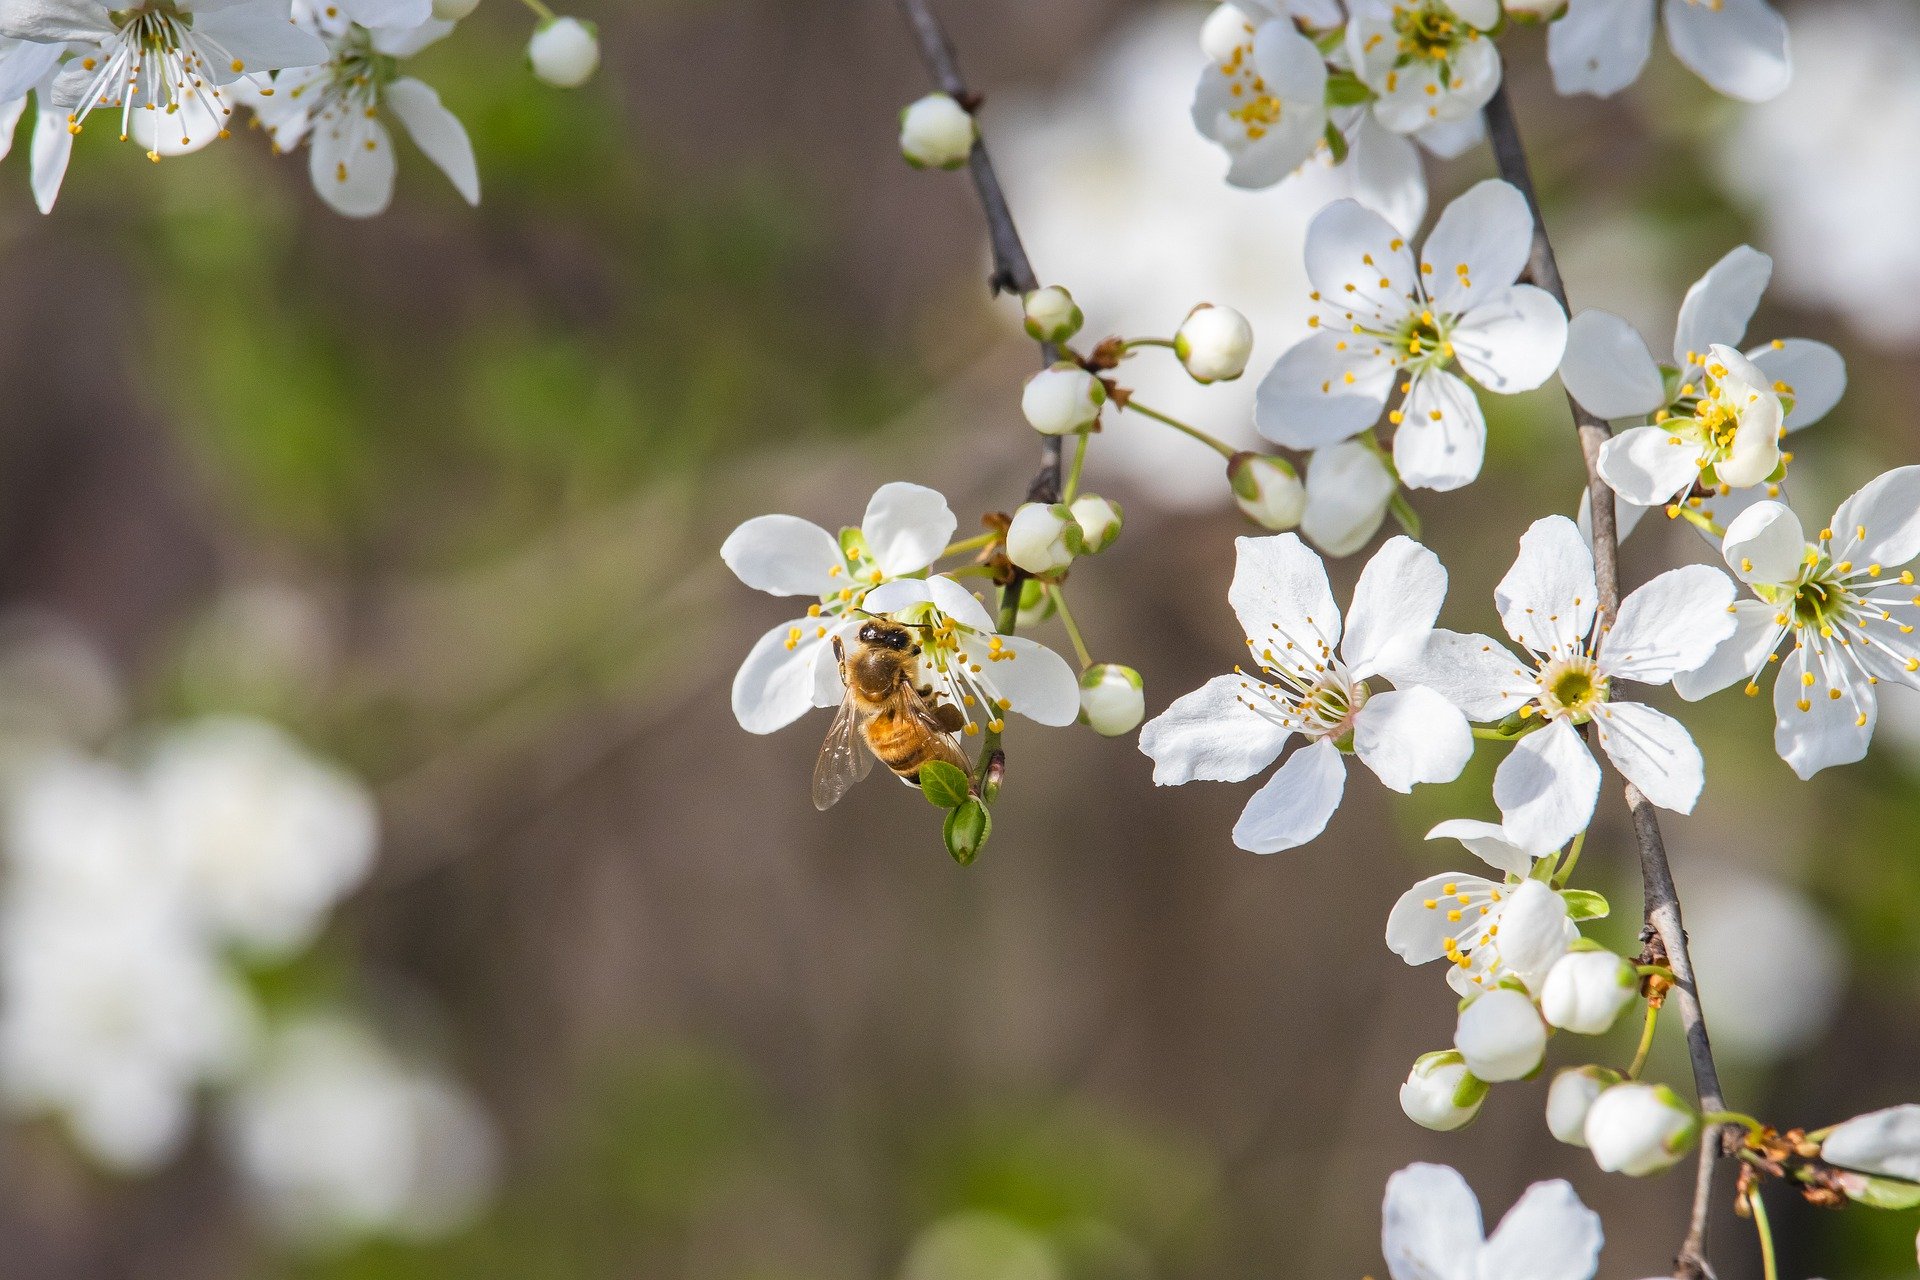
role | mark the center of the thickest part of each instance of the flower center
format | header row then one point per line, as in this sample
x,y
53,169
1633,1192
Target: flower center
x,y
1422,339
1327,709
1256,109
158,64
1571,687
1428,32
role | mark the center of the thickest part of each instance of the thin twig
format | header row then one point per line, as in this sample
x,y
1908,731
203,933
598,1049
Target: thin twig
x,y
1012,273
1662,899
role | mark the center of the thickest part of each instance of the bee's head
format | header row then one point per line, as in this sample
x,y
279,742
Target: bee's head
x,y
887,635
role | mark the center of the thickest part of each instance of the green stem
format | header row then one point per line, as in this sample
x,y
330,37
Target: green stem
x,y
1072,485
1134,344
540,10
1646,1041
1714,1119
967,546
1073,628
1220,447
1768,1266
1404,513
1564,871
1487,733
1699,519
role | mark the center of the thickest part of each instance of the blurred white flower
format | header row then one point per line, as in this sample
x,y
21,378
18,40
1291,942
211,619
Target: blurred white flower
x,y
1430,1228
1829,166
1737,46
338,1139
980,1246
1767,1002
264,838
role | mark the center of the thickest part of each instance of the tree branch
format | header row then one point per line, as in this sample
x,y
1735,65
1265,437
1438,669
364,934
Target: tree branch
x,y
1662,899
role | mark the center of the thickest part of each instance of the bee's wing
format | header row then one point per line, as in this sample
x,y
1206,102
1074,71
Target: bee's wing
x,y
917,707
844,758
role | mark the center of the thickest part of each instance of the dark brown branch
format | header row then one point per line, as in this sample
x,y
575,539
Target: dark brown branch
x,y
1662,899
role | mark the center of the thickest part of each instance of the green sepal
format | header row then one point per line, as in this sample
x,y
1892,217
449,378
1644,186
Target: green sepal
x,y
1882,1193
966,829
944,785
1344,89
1336,143
1585,904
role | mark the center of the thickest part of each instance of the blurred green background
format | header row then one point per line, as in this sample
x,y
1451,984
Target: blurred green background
x,y
442,492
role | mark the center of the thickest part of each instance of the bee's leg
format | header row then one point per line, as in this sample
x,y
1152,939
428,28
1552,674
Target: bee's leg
x,y
951,718
840,657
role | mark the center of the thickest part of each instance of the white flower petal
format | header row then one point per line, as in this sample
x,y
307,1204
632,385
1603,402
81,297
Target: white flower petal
x,y
1535,932
21,68
1548,1235
1396,600
1211,735
260,35
1484,14
1654,752
1418,933
1442,440
52,149
1608,369
1738,46
1430,1225
1648,466
10,113
1600,46
350,160
1883,1143
437,132
775,683
1280,593
1720,303
55,21
1546,601
785,556
1814,372
1489,231
1812,731
1296,802
1451,139
1546,788
1411,736
907,526
1512,341
1385,171
1756,633
1036,681
1350,250
1765,543
1322,390
1671,624
1486,841
1880,524
404,42
1473,672
1348,489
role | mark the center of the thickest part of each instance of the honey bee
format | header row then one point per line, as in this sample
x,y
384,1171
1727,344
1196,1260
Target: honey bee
x,y
884,715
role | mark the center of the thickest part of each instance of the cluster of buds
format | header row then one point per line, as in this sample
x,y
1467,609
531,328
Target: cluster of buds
x,y
1043,538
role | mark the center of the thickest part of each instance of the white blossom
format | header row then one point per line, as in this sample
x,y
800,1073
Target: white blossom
x,y
1214,343
1547,785
1387,320
791,669
1430,1229
1440,1093
1051,314
1307,679
1349,489
1488,931
564,52
1113,699
1737,46
1267,490
936,132
1500,1035
1587,991
1263,95
1061,399
1884,1144
1844,600
1640,1129
1571,1096
1043,537
1433,62
1100,520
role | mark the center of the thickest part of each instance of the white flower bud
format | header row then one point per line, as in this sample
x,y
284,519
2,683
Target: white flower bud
x,y
1036,605
936,133
565,52
1440,1093
453,10
1571,1096
1587,991
1638,1129
1113,699
1099,520
1062,399
1043,537
1500,1035
1214,343
1267,489
1052,315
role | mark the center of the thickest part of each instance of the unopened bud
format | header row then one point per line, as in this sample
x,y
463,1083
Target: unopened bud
x,y
1500,1035
453,10
565,52
1440,1093
1113,699
1043,538
1052,315
1571,1096
1062,399
1587,991
936,133
1268,490
1214,343
1099,520
1638,1129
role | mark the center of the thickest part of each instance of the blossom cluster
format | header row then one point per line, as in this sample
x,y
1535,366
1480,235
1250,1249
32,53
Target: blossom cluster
x,y
171,74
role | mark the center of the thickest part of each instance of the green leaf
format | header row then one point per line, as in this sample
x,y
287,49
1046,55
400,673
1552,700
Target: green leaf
x,y
967,828
1345,90
944,785
1336,143
1585,904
